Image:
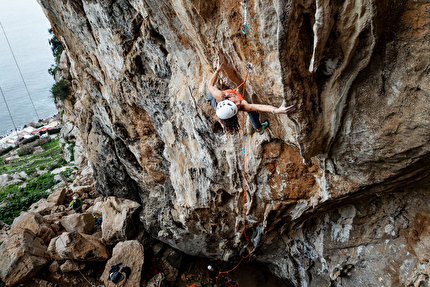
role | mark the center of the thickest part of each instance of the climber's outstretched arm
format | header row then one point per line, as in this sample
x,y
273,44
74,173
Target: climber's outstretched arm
x,y
216,93
245,106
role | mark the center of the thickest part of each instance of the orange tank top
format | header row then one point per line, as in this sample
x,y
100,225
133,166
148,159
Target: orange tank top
x,y
234,92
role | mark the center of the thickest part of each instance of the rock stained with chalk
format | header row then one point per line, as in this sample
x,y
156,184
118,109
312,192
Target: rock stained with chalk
x,y
336,191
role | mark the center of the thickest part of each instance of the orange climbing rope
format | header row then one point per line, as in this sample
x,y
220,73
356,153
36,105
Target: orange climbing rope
x,y
243,83
243,177
243,152
241,96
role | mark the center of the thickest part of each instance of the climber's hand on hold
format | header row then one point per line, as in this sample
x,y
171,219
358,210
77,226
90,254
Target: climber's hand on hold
x,y
283,109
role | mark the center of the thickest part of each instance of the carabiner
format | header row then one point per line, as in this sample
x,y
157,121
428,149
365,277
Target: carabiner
x,y
246,28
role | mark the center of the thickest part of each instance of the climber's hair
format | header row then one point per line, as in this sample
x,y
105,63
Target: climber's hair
x,y
231,125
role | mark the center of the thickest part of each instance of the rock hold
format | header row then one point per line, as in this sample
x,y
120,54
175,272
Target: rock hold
x,y
54,267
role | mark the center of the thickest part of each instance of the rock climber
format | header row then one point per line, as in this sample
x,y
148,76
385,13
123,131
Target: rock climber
x,y
98,220
213,274
76,204
228,102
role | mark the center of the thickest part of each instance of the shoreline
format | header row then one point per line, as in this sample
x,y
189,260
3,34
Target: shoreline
x,y
29,130
11,131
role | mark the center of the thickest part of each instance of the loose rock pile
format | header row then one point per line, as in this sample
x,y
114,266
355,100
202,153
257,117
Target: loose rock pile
x,y
51,245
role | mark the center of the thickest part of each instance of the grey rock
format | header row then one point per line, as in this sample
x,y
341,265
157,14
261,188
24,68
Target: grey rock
x,y
37,150
4,203
5,180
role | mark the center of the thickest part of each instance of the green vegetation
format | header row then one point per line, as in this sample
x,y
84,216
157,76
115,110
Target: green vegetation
x,y
25,151
54,131
22,198
60,90
57,48
6,150
22,195
71,150
30,140
49,157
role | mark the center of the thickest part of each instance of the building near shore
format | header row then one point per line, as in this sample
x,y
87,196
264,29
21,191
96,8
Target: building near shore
x,y
25,133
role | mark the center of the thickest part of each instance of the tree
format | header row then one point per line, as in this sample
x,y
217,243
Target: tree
x,y
60,90
56,46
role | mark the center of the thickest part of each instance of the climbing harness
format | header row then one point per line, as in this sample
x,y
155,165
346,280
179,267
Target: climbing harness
x,y
244,28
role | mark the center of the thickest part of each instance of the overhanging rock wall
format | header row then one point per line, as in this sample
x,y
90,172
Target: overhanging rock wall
x,y
329,188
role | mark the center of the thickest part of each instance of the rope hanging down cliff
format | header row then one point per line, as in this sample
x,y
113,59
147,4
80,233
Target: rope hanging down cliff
x,y
235,91
227,103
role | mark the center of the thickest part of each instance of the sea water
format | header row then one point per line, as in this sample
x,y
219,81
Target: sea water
x,y
26,28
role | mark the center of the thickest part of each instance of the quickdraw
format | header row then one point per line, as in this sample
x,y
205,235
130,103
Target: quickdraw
x,y
245,23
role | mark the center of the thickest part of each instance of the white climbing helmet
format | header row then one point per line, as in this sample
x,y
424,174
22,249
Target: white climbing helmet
x,y
75,197
209,267
226,109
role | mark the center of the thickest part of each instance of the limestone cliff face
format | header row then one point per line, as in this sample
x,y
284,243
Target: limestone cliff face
x,y
336,192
